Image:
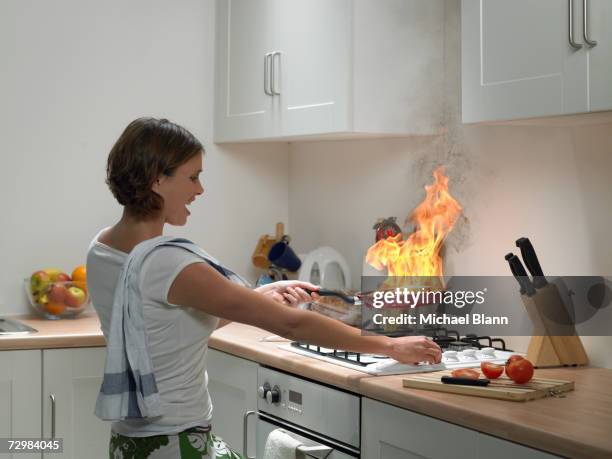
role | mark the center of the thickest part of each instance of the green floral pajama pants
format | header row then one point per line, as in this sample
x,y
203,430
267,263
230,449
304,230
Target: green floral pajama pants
x,y
197,442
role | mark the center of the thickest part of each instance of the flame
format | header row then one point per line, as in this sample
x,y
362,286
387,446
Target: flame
x,y
419,255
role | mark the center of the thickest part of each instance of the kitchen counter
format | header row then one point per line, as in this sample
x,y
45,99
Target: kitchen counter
x,y
81,331
577,425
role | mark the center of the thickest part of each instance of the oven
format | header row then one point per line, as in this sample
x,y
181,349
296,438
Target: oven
x,y
325,420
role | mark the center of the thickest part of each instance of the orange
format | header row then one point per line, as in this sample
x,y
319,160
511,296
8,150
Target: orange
x,y
79,277
55,308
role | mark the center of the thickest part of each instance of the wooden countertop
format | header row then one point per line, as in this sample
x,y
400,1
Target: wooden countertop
x,y
81,331
578,425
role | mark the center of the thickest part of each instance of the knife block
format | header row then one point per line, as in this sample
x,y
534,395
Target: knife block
x,y
558,345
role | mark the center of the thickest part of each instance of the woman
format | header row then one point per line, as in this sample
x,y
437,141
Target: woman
x,y
182,295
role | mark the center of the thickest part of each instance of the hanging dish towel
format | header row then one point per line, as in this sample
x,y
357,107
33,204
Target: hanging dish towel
x,y
280,445
129,390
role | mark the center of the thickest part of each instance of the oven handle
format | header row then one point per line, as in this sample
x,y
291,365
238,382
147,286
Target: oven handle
x,y
245,434
316,452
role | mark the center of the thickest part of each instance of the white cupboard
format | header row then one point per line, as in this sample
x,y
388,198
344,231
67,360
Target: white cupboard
x,y
288,69
71,382
388,432
524,59
232,383
20,389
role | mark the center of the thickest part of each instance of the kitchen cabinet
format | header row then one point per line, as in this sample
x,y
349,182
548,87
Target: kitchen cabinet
x,y
290,69
20,389
73,377
232,383
517,60
388,432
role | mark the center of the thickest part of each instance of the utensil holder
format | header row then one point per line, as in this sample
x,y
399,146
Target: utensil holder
x,y
264,244
556,342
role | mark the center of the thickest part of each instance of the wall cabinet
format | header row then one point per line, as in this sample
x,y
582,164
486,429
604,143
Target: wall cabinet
x,y
20,404
518,60
287,69
388,432
232,383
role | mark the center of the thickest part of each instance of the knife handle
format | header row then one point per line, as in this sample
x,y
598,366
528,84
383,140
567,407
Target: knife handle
x,y
531,261
520,274
464,381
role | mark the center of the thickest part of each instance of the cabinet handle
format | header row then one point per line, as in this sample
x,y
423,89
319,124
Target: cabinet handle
x,y
585,28
266,74
572,43
245,435
272,73
52,397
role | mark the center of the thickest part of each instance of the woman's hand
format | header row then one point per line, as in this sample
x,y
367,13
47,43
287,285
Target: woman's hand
x,y
415,349
289,292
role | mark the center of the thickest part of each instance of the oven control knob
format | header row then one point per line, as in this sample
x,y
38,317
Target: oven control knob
x,y
273,395
262,391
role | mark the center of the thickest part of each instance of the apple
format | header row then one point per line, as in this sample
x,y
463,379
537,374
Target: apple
x,y
39,281
74,297
56,293
52,273
62,277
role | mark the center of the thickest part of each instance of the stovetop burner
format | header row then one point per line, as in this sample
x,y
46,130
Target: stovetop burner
x,y
448,340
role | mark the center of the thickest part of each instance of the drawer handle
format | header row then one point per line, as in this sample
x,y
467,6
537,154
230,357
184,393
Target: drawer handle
x,y
570,21
585,28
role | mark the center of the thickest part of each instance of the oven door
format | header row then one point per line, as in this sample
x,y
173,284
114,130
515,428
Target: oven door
x,y
313,446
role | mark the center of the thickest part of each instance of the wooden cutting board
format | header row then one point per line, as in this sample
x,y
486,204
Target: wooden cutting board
x,y
502,388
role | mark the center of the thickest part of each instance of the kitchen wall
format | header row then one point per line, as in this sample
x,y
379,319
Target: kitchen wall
x,y
550,183
74,73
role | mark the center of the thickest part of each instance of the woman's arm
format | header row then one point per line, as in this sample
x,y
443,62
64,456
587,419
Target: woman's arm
x,y
201,287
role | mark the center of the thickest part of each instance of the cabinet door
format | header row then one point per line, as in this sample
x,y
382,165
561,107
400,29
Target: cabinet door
x,y
244,36
388,432
517,61
73,377
232,383
20,391
489,447
600,56
314,68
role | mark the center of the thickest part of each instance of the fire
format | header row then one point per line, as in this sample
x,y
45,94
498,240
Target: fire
x,y
419,255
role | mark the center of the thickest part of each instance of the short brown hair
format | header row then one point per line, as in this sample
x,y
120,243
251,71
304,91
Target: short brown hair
x,y
147,148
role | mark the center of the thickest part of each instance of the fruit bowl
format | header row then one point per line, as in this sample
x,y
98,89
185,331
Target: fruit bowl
x,y
59,299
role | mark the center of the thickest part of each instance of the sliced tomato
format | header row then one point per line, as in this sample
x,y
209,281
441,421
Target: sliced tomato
x,y
491,370
465,373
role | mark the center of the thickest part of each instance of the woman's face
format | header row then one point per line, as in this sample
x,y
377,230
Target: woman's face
x,y
179,190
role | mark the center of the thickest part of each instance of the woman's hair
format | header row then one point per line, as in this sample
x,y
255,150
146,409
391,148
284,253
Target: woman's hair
x,y
146,149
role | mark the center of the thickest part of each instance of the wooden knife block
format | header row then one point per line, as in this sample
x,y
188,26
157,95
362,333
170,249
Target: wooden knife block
x,y
550,350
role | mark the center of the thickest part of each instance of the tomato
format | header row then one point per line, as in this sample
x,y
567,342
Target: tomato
x,y
520,371
514,358
491,370
465,373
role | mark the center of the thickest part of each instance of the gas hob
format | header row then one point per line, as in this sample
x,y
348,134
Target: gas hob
x,y
465,352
